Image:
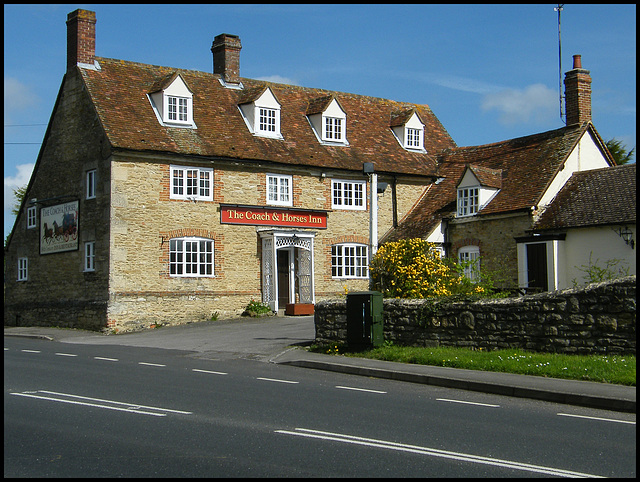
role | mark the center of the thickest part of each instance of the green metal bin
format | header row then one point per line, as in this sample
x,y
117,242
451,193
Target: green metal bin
x,y
364,320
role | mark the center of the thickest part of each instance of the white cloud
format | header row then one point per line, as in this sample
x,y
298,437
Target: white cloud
x,y
535,103
17,97
278,80
463,84
10,183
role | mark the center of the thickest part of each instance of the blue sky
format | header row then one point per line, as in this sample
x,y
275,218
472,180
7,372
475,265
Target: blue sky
x,y
488,72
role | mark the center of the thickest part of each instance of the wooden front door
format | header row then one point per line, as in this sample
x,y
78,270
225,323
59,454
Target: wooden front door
x,y
537,266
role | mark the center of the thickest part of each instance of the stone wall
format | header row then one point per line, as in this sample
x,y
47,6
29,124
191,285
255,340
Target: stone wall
x,y
597,319
58,291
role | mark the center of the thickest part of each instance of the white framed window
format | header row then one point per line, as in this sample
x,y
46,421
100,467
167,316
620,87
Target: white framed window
x,y
262,114
173,103
31,217
177,109
23,269
348,195
349,261
328,121
408,130
90,256
469,259
279,188
467,201
333,130
191,257
413,139
267,121
191,183
91,184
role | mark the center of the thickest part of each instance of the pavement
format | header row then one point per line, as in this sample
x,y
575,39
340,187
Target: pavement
x,y
282,340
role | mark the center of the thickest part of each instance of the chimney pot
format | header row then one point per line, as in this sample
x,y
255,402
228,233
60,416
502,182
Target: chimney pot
x,y
226,57
577,61
81,38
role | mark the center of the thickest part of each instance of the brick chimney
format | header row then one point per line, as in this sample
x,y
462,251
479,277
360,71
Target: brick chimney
x,y
226,57
81,38
577,93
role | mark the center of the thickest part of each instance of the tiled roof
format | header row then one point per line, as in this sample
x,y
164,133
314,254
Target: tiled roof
x,y
119,92
401,118
527,166
316,106
596,197
487,177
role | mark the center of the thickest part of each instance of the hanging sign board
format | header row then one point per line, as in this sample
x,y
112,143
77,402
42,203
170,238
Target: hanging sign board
x,y
59,228
266,216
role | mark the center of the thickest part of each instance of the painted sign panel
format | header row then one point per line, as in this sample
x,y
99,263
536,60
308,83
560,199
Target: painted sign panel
x,y
264,216
59,228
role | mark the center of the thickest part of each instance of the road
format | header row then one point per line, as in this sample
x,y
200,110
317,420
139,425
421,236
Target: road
x,y
74,410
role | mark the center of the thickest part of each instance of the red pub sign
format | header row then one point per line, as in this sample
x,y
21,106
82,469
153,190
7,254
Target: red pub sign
x,y
267,216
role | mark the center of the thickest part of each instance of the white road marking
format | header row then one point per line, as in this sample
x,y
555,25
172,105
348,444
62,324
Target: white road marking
x,y
302,432
468,403
31,351
130,407
596,418
276,380
105,359
65,354
208,371
359,389
151,364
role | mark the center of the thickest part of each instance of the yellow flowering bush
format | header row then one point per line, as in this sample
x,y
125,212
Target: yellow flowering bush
x,y
413,268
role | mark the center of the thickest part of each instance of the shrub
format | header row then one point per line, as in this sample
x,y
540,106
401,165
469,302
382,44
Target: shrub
x,y
256,308
413,268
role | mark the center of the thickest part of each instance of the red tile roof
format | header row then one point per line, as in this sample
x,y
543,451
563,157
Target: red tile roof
x,y
591,198
527,166
119,92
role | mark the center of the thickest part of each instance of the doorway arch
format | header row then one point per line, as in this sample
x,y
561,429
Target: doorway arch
x,y
287,267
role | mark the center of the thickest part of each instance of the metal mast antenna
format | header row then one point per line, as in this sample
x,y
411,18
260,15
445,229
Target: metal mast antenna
x,y
559,9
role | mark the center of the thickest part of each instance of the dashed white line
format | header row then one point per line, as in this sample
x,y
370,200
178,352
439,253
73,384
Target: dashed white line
x,y
596,418
208,371
468,403
105,358
31,351
276,380
65,354
151,364
359,389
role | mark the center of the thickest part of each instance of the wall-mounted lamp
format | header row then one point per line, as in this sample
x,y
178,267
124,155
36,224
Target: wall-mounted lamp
x,y
382,186
626,234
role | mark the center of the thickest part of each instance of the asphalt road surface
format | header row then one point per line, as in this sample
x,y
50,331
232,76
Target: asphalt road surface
x,y
89,410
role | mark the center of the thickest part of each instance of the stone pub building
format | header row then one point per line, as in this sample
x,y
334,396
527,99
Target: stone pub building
x,y
163,195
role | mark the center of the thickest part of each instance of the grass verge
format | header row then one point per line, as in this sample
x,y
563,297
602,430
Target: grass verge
x,y
615,369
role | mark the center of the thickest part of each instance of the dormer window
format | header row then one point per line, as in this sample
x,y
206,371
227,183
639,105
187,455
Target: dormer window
x,y
467,201
414,138
332,129
477,187
408,130
172,102
261,112
177,109
267,120
328,121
